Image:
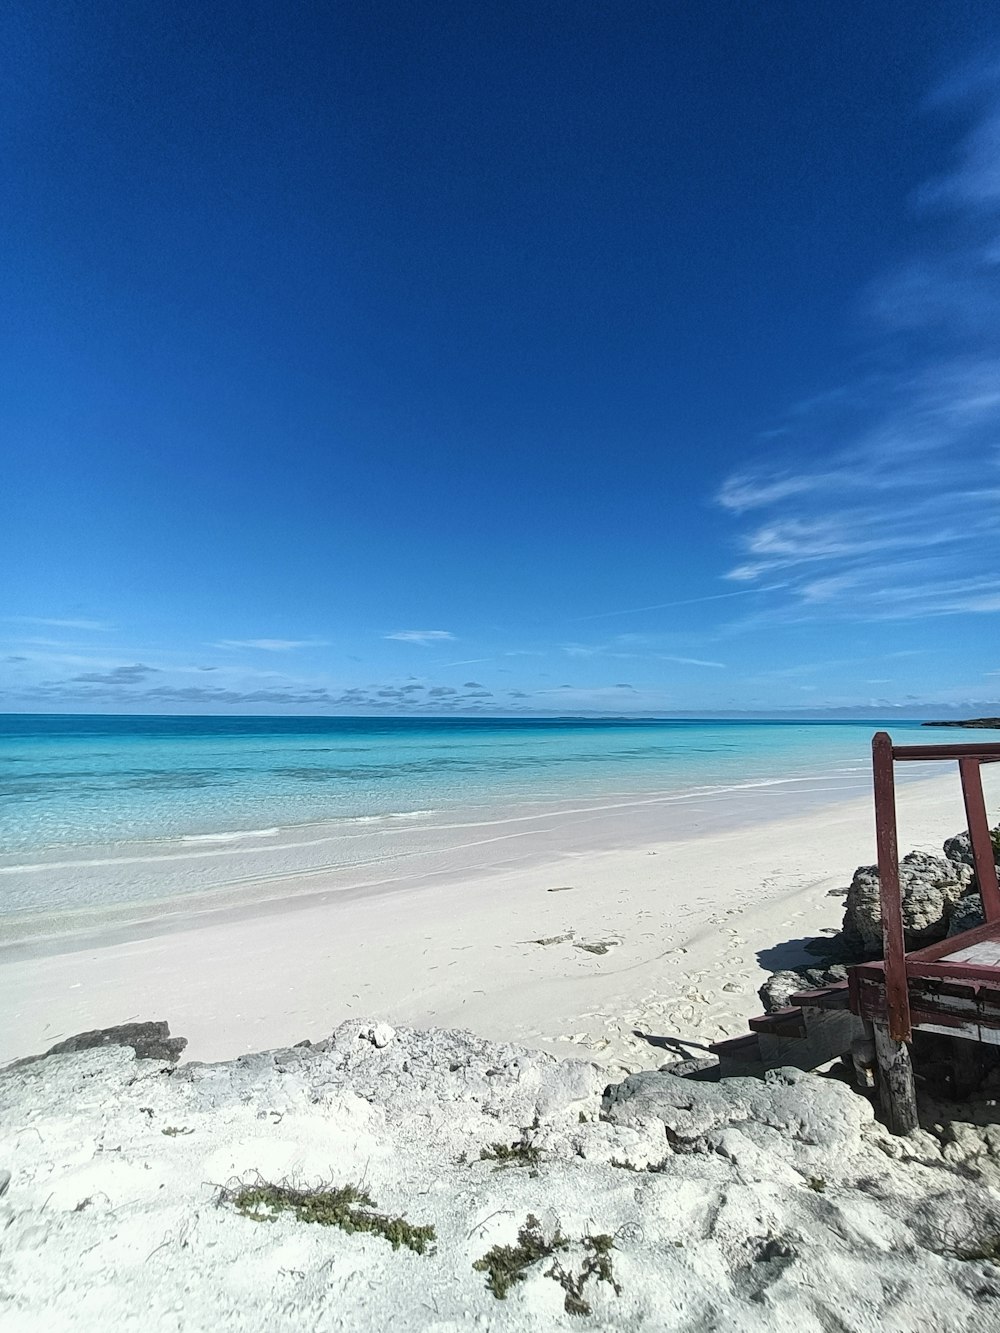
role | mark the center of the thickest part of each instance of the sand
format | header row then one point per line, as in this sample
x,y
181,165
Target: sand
x,y
685,929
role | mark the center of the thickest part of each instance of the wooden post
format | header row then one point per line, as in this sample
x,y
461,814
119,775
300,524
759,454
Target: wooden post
x,y
895,1073
897,998
979,836
895,1081
863,1057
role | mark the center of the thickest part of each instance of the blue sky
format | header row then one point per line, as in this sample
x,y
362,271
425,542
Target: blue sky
x,y
545,357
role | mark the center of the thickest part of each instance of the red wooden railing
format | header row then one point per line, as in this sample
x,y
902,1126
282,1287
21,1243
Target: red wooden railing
x,y
884,757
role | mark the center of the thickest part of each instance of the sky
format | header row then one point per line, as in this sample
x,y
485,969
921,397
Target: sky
x,y
554,357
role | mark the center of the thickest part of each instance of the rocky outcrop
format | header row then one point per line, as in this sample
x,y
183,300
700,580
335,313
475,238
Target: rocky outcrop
x,y
797,1118
149,1041
959,848
931,887
755,1205
940,898
966,914
778,989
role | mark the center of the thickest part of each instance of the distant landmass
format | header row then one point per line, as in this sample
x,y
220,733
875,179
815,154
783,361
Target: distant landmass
x,y
984,722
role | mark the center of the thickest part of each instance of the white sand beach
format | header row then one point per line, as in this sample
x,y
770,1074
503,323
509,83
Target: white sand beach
x,y
492,940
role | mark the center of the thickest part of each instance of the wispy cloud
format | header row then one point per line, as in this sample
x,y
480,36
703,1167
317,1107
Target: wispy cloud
x,y
633,647
100,626
269,645
421,636
899,517
122,675
689,661
684,601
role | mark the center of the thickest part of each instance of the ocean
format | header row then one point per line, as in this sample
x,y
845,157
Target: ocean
x,y
97,810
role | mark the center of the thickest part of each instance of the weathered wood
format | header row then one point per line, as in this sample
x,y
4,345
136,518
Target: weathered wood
x,y
863,1056
979,836
984,954
987,751
942,948
895,1081
890,897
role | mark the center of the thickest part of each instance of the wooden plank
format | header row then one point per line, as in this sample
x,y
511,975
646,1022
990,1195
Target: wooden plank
x,y
988,752
781,1023
940,1003
835,996
894,949
979,836
895,1081
948,971
984,954
990,930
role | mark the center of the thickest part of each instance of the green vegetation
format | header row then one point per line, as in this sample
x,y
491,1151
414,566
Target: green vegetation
x,y
172,1131
506,1265
817,1183
511,1154
347,1207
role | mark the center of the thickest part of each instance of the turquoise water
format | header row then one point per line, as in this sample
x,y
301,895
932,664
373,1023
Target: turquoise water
x,y
82,781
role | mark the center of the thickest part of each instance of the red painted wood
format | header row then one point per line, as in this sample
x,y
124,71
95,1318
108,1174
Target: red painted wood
x,y
989,754
979,835
946,971
894,950
990,930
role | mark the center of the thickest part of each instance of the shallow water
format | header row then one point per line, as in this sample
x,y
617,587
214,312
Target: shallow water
x,y
96,811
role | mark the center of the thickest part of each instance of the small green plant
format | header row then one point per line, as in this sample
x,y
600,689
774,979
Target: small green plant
x,y
622,1165
597,1264
348,1207
506,1265
511,1154
172,1131
817,1183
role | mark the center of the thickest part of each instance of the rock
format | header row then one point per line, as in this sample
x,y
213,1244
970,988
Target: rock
x,y
966,914
705,1070
379,1034
150,1041
931,885
959,849
4,1182
802,1119
778,989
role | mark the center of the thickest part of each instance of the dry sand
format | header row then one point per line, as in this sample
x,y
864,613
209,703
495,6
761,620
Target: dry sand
x,y
691,927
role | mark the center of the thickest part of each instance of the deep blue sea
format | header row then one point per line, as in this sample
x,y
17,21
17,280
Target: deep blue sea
x,y
70,781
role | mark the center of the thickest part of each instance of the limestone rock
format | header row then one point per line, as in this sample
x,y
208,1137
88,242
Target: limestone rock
x,y
379,1034
778,989
150,1041
959,848
802,1119
931,886
966,914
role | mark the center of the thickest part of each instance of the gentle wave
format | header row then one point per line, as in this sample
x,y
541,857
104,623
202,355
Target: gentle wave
x,y
559,811
230,837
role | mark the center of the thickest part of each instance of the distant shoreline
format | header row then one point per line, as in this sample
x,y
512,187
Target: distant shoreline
x,y
982,723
